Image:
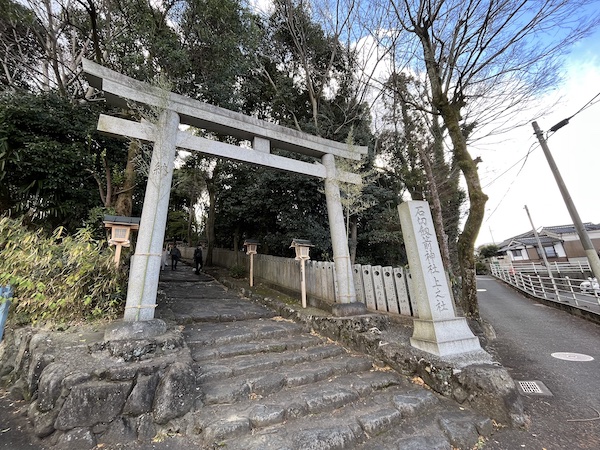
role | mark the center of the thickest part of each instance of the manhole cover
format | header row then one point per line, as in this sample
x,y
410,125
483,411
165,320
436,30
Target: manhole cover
x,y
533,388
572,356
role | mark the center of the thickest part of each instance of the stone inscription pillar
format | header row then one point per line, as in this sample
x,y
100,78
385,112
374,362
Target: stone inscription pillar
x,y
146,262
339,241
437,330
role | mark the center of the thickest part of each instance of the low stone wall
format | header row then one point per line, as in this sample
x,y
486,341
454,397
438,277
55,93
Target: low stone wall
x,y
486,387
85,390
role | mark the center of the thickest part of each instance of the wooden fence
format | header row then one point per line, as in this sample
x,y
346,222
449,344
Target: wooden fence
x,y
384,289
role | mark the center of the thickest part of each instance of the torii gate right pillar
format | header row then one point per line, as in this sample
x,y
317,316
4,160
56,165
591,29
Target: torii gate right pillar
x,y
346,295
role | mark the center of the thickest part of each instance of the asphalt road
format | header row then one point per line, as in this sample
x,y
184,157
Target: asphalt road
x,y
15,430
528,333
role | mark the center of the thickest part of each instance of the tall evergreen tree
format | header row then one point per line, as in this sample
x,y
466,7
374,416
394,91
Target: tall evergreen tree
x,y
47,153
306,82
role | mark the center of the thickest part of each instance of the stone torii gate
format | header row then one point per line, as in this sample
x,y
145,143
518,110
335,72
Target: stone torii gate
x,y
175,110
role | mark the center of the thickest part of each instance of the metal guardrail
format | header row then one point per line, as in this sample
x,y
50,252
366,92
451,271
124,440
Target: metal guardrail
x,y
557,289
556,267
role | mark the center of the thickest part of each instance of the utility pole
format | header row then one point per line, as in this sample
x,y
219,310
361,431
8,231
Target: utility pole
x,y
586,242
542,252
493,241
539,243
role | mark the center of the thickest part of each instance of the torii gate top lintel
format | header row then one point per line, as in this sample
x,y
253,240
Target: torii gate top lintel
x,y
119,89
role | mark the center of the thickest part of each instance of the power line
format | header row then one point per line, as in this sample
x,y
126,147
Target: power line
x,y
587,105
510,168
524,159
564,122
553,129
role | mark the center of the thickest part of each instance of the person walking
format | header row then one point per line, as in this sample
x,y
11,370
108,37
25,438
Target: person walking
x,y
175,257
198,259
163,258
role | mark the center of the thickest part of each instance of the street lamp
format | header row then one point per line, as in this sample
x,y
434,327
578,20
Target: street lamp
x,y
302,247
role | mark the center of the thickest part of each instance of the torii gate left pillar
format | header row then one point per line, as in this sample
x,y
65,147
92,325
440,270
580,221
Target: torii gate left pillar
x,y
146,262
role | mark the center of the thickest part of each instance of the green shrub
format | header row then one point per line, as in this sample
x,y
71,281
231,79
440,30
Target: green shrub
x,y
237,271
481,268
59,278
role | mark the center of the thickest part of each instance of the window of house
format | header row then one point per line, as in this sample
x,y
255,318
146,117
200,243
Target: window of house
x,y
517,253
549,250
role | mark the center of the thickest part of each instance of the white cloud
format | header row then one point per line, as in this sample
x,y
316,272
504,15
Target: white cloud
x,y
261,6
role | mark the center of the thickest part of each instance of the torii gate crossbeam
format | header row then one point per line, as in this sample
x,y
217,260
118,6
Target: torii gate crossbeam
x,y
175,110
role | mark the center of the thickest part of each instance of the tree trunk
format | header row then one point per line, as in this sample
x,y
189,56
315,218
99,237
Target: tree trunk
x,y
450,113
236,245
353,240
210,220
191,216
477,201
436,207
443,178
124,202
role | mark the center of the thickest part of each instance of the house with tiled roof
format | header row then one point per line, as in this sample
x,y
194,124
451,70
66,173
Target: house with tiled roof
x,y
560,243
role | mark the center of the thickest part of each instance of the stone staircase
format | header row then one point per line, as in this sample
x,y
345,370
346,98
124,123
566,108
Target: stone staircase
x,y
264,382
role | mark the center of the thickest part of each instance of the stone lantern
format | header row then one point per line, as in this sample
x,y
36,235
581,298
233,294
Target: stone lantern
x,y
302,247
120,227
251,245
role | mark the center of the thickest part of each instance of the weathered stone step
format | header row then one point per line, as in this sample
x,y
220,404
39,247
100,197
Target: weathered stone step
x,y
434,441
202,352
221,422
243,331
193,302
228,390
239,365
390,419
388,408
444,428
322,435
345,427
